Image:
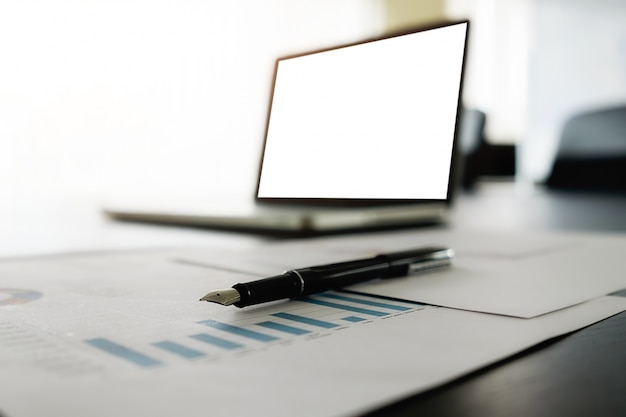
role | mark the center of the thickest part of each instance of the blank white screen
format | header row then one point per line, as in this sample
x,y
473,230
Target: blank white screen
x,y
370,121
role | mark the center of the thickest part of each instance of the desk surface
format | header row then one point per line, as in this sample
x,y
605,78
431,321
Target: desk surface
x,y
580,374
505,206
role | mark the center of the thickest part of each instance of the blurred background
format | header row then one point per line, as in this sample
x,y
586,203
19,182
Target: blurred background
x,y
168,98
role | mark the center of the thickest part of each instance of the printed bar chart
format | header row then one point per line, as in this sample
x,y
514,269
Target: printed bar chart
x,y
353,319
180,350
321,313
306,320
123,352
283,328
370,303
351,308
239,331
216,341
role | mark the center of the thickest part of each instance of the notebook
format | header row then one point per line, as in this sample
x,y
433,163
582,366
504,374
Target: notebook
x,y
358,136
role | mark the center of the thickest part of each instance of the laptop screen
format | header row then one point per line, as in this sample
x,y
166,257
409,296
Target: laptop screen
x,y
369,121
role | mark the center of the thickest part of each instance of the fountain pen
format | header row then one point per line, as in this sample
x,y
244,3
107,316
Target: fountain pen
x,y
315,279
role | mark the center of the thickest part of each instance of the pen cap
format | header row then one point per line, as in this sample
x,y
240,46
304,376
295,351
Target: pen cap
x,y
403,263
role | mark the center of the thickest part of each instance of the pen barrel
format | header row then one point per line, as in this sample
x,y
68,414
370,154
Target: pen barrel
x,y
316,279
416,260
287,285
334,276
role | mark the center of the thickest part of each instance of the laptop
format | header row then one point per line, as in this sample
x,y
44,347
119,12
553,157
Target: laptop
x,y
359,136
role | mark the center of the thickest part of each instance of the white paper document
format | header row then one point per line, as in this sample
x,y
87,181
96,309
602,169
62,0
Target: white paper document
x,y
124,335
520,275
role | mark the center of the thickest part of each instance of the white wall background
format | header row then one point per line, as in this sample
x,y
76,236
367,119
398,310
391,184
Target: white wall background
x,y
161,97
577,63
532,64
496,76
169,97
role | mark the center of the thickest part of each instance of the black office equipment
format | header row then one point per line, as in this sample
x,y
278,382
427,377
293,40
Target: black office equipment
x,y
592,152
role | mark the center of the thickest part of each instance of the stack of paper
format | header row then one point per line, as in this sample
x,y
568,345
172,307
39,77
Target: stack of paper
x,y
123,334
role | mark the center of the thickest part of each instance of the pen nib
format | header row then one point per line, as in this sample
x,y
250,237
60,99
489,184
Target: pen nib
x,y
223,297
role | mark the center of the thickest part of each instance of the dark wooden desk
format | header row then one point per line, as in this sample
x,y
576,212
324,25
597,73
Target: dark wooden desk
x,y
582,374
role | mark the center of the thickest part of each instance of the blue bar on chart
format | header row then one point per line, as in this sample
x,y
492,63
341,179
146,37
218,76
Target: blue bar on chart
x,y
122,352
239,331
216,341
344,307
370,303
306,320
178,349
353,319
283,328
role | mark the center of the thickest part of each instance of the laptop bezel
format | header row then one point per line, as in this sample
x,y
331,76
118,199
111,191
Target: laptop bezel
x,y
361,202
